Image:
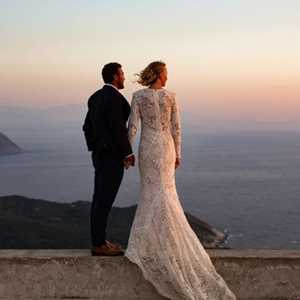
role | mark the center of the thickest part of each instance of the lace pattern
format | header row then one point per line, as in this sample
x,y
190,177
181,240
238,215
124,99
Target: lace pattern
x,y
161,241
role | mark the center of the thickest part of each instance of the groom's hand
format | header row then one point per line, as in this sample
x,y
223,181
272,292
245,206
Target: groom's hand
x,y
129,161
177,162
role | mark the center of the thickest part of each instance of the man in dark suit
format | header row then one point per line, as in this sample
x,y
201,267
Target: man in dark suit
x,y
109,112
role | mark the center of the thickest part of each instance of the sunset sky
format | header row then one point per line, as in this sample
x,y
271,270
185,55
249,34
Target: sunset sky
x,y
226,59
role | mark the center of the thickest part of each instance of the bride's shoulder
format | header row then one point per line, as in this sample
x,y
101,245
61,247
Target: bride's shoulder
x,y
146,93
139,92
169,93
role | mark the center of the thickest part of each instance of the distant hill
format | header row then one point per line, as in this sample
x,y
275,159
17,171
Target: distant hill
x,y
7,146
38,224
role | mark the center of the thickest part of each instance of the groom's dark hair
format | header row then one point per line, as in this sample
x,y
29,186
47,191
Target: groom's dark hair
x,y
109,70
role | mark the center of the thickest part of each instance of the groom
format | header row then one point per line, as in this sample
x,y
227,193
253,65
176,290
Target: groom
x,y
108,114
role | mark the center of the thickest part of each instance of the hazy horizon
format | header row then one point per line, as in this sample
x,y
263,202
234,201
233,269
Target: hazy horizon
x,y
70,116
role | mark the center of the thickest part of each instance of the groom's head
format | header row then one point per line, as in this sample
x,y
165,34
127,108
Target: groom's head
x,y
112,73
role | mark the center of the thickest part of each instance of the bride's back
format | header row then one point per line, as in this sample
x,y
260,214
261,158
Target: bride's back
x,y
155,108
160,120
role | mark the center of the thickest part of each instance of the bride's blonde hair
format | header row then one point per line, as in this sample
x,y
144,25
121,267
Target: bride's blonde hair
x,y
151,73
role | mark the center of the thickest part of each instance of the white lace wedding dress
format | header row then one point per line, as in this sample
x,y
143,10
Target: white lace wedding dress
x,y
161,241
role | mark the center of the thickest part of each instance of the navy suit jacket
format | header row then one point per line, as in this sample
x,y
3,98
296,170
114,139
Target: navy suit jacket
x,y
109,112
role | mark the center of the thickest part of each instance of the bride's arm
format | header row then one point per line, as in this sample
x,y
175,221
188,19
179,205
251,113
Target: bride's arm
x,y
134,119
176,127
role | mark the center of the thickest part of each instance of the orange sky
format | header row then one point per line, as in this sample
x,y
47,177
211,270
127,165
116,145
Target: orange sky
x,y
234,61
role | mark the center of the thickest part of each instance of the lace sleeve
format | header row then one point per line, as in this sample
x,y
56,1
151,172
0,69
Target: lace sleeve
x,y
134,119
176,128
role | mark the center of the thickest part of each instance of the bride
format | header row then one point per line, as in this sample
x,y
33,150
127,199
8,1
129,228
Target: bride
x,y
161,241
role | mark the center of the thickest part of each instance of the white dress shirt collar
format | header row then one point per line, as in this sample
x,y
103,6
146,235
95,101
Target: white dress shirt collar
x,y
112,86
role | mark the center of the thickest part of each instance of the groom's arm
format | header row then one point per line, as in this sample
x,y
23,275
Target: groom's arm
x,y
118,127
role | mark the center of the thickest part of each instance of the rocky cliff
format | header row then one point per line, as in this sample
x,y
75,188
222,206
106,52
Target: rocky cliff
x,y
32,223
7,146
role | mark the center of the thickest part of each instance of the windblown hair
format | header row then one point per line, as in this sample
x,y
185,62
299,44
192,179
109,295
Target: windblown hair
x,y
151,73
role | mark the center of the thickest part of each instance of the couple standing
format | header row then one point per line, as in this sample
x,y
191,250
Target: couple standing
x,y
161,241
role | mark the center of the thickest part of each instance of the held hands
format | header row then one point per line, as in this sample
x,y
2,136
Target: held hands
x,y
129,161
177,162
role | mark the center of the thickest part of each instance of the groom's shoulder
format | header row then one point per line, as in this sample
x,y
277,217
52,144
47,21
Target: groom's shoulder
x,y
105,92
97,97
97,93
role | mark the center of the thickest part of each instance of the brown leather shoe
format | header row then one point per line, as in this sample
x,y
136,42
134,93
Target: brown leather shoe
x,y
105,250
113,245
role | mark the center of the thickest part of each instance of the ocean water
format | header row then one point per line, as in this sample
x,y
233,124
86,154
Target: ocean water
x,y
247,184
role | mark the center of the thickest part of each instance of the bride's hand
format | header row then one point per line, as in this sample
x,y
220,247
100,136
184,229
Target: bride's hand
x,y
177,162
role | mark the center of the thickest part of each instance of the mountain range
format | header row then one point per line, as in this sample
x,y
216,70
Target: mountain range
x,y
27,223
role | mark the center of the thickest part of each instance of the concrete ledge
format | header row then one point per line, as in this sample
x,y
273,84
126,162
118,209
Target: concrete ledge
x,y
73,274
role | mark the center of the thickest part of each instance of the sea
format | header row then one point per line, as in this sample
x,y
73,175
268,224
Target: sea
x,y
246,184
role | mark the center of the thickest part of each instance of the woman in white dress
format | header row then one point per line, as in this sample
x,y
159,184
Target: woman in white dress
x,y
161,241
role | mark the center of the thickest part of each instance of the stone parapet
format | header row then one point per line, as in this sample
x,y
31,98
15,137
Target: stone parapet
x,y
256,274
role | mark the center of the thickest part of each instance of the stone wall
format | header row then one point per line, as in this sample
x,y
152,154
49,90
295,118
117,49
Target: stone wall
x,y
74,274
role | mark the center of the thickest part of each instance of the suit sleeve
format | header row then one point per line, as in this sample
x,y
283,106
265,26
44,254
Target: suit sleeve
x,y
118,127
94,113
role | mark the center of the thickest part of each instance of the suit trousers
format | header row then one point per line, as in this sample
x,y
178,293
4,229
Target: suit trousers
x,y
109,172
